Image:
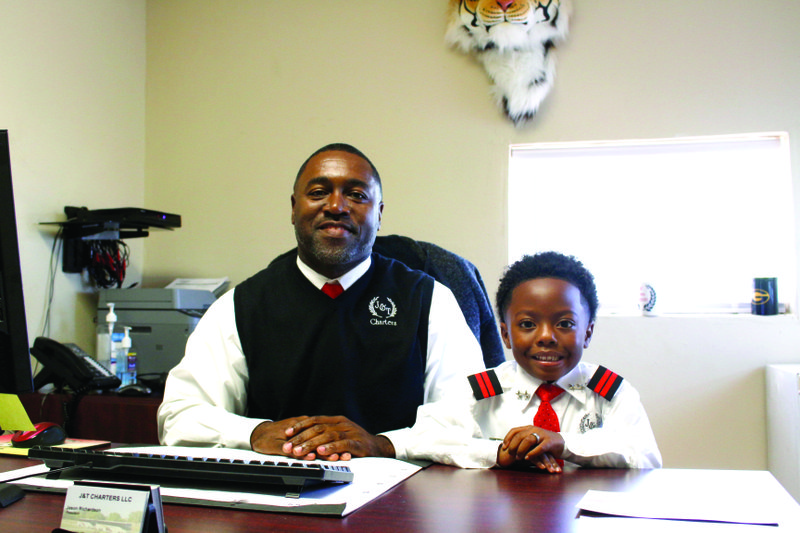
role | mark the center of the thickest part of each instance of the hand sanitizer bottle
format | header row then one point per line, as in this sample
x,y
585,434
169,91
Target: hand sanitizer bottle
x,y
105,350
124,359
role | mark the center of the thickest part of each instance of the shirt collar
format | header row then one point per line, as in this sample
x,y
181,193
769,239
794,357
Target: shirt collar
x,y
345,280
574,382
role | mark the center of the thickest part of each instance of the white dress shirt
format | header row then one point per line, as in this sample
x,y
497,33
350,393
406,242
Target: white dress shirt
x,y
466,432
205,399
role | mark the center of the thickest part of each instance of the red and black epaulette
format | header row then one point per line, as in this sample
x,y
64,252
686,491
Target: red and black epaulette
x,y
485,385
605,382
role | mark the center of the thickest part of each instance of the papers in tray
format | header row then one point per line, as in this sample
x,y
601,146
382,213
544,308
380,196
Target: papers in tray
x,y
372,476
216,285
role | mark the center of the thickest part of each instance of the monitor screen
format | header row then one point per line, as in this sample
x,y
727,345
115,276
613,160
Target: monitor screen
x,y
15,362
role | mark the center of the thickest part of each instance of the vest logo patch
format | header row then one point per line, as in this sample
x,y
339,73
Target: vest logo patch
x,y
382,309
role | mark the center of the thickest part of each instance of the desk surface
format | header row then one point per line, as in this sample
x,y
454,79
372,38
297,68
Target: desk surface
x,y
437,499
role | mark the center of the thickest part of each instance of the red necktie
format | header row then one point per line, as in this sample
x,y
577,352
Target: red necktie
x,y
333,289
545,417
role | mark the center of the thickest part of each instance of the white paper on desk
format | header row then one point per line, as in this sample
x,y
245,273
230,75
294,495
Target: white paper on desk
x,y
587,524
372,476
29,471
676,507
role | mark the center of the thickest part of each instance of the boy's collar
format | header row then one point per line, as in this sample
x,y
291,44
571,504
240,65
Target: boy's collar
x,y
573,382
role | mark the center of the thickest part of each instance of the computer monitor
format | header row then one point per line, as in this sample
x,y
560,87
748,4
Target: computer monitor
x,y
15,361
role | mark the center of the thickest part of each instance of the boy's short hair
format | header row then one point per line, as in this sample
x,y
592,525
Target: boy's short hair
x,y
547,265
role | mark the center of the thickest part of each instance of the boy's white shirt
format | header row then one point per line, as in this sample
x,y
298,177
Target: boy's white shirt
x,y
466,432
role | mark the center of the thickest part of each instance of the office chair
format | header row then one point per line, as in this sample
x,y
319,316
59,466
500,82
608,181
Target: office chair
x,y
461,277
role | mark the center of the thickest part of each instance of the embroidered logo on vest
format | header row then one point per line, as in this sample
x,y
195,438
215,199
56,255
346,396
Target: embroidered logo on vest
x,y
382,312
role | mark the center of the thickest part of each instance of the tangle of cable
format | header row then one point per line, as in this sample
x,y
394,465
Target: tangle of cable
x,y
108,260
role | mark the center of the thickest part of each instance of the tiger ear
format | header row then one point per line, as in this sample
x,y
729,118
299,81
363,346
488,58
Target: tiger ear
x,y
518,53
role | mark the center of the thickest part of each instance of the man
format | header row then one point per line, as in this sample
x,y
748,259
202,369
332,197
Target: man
x,y
281,367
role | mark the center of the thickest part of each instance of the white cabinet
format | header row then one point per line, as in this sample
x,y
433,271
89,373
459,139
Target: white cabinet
x,y
783,425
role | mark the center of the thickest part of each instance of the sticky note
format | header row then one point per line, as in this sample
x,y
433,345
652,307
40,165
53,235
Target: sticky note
x,y
12,415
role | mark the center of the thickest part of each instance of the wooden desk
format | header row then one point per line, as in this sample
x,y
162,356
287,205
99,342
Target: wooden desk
x,y
437,499
99,416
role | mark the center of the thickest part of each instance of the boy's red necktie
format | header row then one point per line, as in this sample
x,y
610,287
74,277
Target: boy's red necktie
x,y
333,289
546,417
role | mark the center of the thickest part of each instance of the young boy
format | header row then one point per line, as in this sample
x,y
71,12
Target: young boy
x,y
547,305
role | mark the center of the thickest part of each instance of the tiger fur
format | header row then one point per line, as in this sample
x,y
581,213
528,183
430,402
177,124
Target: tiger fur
x,y
514,42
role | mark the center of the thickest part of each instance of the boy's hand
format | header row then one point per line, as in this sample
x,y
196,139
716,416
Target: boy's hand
x,y
534,445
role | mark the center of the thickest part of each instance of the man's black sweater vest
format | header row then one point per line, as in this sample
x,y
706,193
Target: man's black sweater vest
x,y
362,355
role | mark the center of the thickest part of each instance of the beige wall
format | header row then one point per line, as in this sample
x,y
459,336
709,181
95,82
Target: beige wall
x,y
239,92
72,97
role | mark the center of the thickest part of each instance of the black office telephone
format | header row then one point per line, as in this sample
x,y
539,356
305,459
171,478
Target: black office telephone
x,y
67,364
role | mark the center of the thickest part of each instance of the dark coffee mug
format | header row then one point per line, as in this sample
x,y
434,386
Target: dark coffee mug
x,y
765,296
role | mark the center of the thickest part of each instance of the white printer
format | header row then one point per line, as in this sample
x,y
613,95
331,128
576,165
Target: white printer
x,y
161,321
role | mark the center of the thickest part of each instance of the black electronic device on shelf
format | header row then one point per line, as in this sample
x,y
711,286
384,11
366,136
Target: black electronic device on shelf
x,y
130,221
114,224
286,476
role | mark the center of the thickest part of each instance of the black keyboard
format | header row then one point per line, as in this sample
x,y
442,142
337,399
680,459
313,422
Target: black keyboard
x,y
287,475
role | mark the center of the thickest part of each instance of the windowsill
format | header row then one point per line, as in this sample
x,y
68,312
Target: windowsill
x,y
741,310
734,316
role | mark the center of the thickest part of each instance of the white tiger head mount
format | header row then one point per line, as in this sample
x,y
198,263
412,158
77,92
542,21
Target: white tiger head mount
x,y
514,42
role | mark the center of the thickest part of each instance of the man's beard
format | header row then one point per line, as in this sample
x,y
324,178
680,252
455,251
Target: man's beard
x,y
327,254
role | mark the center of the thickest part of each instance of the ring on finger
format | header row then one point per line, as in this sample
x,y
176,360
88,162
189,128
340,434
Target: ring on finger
x,y
537,437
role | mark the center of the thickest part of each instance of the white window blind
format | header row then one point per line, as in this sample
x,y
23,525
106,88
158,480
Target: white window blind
x,y
697,218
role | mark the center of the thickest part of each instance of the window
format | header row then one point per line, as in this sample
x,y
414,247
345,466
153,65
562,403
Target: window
x,y
696,218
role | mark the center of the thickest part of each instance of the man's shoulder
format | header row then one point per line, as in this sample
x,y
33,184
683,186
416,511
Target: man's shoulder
x,y
285,257
276,270
386,265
